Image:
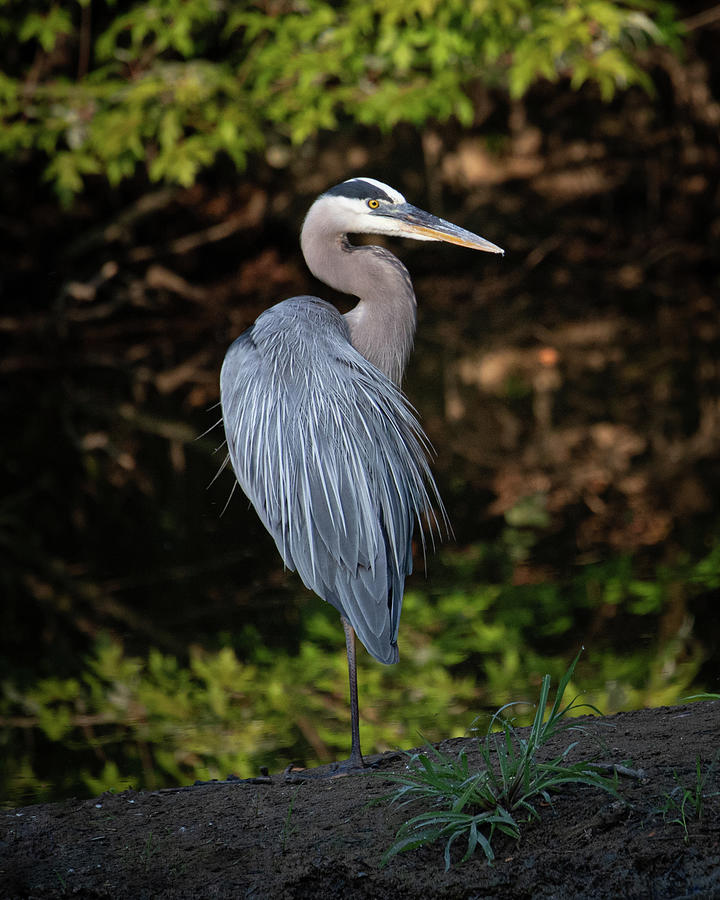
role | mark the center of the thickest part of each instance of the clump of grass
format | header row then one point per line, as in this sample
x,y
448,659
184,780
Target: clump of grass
x,y
463,804
149,850
689,803
288,830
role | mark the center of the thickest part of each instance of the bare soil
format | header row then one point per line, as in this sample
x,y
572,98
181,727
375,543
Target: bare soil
x,y
325,837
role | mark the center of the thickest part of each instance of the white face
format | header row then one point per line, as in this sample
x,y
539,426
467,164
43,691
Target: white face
x,y
377,208
364,215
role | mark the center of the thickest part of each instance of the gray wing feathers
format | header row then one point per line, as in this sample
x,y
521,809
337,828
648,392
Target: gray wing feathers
x,y
333,460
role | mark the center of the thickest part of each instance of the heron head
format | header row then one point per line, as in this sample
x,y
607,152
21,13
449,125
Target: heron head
x,y
367,206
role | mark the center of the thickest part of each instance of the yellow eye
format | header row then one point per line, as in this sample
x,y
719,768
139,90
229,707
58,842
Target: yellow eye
x,y
373,204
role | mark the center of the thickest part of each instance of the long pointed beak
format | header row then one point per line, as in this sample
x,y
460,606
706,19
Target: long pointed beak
x,y
420,225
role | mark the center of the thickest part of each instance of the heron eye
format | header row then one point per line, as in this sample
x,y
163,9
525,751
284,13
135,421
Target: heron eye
x,y
373,204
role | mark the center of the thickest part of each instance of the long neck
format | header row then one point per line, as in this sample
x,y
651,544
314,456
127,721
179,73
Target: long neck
x,y
382,325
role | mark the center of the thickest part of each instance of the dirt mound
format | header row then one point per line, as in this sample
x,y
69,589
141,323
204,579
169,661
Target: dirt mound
x,y
326,837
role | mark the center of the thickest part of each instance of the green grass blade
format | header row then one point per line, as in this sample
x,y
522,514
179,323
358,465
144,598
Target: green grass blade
x,y
477,805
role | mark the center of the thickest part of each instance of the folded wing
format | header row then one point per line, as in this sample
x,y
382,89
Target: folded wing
x,y
333,460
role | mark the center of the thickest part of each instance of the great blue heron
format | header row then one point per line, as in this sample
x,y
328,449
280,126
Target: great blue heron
x,y
321,439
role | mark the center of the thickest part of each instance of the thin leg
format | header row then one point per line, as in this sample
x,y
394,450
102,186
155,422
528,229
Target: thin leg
x,y
356,760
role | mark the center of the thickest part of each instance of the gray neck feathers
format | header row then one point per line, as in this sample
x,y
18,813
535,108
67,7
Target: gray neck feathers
x,y
382,325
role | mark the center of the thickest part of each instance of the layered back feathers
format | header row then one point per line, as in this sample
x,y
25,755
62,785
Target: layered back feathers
x,y
333,460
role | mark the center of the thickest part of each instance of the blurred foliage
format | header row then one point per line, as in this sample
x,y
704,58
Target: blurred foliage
x,y
148,721
101,90
105,522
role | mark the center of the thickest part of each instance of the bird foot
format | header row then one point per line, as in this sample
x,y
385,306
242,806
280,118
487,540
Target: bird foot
x,y
352,766
355,765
